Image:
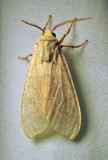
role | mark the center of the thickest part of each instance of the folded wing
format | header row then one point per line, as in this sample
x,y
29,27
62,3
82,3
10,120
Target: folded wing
x,y
63,110
32,117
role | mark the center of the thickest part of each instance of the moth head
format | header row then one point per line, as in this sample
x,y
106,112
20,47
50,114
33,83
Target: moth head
x,y
49,33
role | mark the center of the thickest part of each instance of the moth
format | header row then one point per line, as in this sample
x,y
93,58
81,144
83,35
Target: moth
x,y
49,96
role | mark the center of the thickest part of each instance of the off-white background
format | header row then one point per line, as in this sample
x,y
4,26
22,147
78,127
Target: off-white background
x,y
88,65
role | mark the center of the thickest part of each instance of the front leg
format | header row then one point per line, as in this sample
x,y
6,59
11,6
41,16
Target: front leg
x,y
26,57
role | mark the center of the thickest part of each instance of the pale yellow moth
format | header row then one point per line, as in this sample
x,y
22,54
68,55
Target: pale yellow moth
x,y
49,96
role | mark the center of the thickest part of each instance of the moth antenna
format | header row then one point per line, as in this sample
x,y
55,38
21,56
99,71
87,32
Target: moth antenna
x,y
43,30
34,25
71,20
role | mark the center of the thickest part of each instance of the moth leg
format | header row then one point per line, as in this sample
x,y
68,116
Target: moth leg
x,y
46,24
71,46
26,57
68,30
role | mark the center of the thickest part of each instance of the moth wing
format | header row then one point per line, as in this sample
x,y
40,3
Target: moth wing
x,y
64,115
32,117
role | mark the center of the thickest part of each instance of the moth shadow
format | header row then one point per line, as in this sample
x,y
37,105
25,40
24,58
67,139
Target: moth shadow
x,y
79,90
47,134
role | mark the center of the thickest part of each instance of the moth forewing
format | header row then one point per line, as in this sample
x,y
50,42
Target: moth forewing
x,y
32,116
74,110
62,106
